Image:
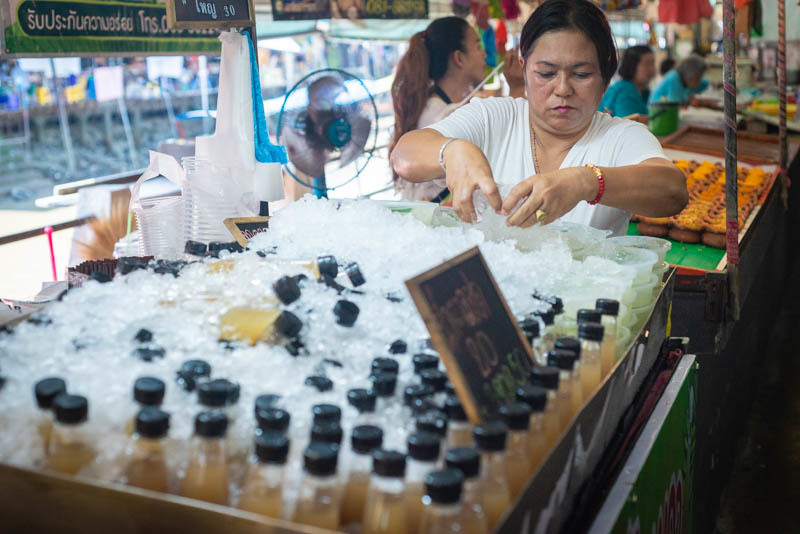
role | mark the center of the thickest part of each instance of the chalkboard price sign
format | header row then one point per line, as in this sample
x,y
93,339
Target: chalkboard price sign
x,y
484,351
244,229
210,13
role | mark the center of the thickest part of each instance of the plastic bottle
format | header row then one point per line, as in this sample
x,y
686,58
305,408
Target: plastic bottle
x,y
272,420
608,350
146,462
549,331
194,250
364,401
383,385
459,429
536,398
443,511
385,509
424,361
364,439
531,327
382,364
254,325
491,441
262,492
148,391
433,421
468,461
436,380
564,360
327,432
45,391
193,373
573,345
69,448
206,476
418,398
326,412
547,377
423,454
591,336
319,499
517,416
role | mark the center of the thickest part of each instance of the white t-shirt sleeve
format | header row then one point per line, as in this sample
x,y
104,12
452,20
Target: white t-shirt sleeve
x,y
635,144
467,122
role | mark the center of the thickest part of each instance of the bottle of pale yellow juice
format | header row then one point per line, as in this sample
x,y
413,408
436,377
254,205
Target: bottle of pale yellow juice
x,y
531,327
547,377
468,461
573,345
254,325
364,401
423,454
146,461
385,510
262,492
563,360
608,350
147,391
517,416
491,441
549,330
319,501
364,439
591,336
45,391
536,398
206,476
70,449
459,429
272,420
442,513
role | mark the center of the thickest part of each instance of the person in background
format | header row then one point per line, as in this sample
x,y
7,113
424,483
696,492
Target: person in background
x,y
626,97
666,66
681,84
442,65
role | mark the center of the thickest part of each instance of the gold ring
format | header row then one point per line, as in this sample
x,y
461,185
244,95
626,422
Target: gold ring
x,y
540,215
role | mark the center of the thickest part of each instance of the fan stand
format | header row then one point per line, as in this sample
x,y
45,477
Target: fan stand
x,y
320,188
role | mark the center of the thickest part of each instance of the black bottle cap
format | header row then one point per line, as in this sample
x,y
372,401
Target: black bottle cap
x,y
449,388
319,459
143,336
416,391
218,393
366,438
215,247
152,423
589,316
100,277
321,383
362,400
454,409
433,422
465,459
327,431
591,331
398,346
346,312
266,401
149,391
286,289
384,384
607,306
530,327
444,486
388,365
569,343
272,448
148,354
47,389
190,372
558,305
288,324
273,419
561,359
391,464
331,282
533,396
546,377
491,436
354,274
195,248
434,378
424,446
546,316
128,264
517,415
425,361
326,412
328,265
70,409
211,424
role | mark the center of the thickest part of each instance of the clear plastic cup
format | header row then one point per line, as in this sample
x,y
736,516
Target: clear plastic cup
x,y
206,205
160,221
656,244
638,259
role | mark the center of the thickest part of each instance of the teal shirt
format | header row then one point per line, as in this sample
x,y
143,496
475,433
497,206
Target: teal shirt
x,y
623,98
671,89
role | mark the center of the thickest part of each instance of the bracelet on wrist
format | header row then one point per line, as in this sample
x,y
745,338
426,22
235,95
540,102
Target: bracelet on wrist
x,y
601,182
441,153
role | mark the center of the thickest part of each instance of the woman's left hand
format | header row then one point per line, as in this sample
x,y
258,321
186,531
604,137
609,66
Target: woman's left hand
x,y
553,193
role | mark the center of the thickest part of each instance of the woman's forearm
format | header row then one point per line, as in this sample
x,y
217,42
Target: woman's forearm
x,y
416,155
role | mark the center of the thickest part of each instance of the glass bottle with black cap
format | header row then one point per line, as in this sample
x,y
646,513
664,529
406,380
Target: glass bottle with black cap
x,y
70,449
443,509
262,491
536,398
364,439
531,327
146,454
491,441
459,429
547,377
383,385
608,349
45,391
423,454
517,416
319,499
385,509
364,401
468,461
549,332
206,475
147,391
591,336
563,360
573,345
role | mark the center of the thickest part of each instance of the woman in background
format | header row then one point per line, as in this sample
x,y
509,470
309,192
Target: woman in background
x,y
627,96
681,84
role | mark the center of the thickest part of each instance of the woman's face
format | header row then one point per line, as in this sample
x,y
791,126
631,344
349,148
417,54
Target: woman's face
x,y
474,56
563,81
645,70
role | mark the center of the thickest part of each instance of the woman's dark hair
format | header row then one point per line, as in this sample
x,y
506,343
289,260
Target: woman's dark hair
x,y
666,66
582,15
630,61
426,60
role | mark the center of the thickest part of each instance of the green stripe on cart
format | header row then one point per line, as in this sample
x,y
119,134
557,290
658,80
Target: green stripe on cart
x,y
697,256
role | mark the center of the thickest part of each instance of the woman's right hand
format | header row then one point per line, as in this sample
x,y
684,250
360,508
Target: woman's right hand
x,y
468,170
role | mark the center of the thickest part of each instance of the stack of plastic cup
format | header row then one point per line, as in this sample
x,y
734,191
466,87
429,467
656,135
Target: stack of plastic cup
x,y
206,204
160,221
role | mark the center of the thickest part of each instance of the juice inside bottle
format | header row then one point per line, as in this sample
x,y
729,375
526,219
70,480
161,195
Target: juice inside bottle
x,y
610,309
262,492
146,464
147,391
385,510
423,452
468,461
70,450
591,335
442,513
459,429
364,439
319,500
491,441
536,398
564,360
517,416
45,391
254,325
573,345
548,377
549,331
206,475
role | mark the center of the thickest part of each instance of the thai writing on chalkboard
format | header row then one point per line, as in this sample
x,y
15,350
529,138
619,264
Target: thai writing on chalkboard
x,y
210,13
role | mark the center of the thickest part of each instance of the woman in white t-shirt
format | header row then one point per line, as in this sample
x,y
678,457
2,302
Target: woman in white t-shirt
x,y
440,68
565,159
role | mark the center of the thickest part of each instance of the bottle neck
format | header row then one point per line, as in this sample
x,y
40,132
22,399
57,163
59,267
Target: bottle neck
x,y
393,485
588,347
443,510
360,463
69,432
317,481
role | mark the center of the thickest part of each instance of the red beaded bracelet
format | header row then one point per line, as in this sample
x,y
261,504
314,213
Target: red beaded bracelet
x,y
599,174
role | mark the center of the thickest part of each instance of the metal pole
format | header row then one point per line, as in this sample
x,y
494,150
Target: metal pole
x,y
126,126
202,74
63,120
731,174
784,156
168,103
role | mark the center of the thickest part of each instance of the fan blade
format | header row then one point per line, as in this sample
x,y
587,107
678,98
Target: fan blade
x,y
359,133
322,94
307,158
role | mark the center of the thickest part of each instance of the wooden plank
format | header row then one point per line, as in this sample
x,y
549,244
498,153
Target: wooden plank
x,y
755,148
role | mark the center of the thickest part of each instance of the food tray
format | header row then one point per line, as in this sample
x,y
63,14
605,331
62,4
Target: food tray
x,y
752,148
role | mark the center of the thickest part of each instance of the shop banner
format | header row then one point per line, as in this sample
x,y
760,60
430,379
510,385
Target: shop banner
x,y
97,28
350,9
